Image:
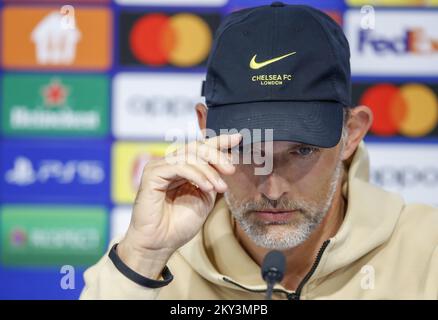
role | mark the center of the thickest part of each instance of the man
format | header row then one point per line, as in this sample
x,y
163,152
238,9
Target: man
x,y
284,68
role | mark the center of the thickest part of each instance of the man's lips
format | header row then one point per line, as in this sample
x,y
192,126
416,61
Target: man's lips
x,y
275,215
275,211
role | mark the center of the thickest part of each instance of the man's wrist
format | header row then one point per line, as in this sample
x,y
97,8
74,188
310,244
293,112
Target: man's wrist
x,y
140,279
148,263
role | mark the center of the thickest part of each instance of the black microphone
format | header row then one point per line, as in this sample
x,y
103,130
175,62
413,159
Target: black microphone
x,y
273,268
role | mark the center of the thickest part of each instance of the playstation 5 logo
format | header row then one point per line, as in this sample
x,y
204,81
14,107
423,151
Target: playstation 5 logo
x,y
22,173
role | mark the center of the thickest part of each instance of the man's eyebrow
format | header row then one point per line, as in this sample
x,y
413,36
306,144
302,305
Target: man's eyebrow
x,y
300,145
295,146
290,147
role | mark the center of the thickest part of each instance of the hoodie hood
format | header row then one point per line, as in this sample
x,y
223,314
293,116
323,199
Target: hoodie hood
x,y
371,216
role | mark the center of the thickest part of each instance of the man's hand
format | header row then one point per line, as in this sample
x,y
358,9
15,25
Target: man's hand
x,y
174,199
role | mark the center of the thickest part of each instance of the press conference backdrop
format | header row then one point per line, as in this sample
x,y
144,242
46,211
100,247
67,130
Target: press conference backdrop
x,y
89,90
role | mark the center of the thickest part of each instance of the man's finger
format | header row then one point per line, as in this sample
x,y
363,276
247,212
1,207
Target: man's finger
x,y
224,141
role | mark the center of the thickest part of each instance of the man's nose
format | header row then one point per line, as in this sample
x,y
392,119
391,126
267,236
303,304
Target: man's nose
x,y
273,186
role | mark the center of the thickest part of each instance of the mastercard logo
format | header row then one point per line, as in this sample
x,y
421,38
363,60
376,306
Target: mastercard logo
x,y
410,110
182,40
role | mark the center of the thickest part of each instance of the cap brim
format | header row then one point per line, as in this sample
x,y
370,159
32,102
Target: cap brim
x,y
317,123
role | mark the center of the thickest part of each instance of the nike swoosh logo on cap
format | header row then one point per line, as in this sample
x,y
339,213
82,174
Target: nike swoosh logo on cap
x,y
257,65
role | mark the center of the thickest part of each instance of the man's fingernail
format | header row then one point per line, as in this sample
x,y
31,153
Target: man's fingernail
x,y
221,183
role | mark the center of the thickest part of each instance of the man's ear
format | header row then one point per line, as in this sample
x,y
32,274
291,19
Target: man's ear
x,y
201,113
358,124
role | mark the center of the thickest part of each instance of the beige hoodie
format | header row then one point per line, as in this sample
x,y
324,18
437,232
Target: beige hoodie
x,y
385,249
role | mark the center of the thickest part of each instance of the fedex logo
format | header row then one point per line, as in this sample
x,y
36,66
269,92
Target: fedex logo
x,y
415,41
400,43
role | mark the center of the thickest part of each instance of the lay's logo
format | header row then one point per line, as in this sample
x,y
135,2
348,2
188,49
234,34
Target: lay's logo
x,y
128,161
399,43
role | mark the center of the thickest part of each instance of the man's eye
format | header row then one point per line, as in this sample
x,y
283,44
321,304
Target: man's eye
x,y
305,151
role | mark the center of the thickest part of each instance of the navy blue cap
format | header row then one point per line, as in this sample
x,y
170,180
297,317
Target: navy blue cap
x,y
280,67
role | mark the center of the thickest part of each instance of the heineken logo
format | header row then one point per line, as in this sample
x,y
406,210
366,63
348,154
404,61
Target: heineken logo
x,y
23,118
55,93
55,105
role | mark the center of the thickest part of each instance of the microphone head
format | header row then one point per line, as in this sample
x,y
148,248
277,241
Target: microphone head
x,y
274,265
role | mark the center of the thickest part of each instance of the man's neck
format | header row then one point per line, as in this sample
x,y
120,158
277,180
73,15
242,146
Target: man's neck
x,y
300,259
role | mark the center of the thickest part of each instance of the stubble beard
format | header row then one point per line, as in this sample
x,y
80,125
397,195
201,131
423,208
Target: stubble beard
x,y
282,236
